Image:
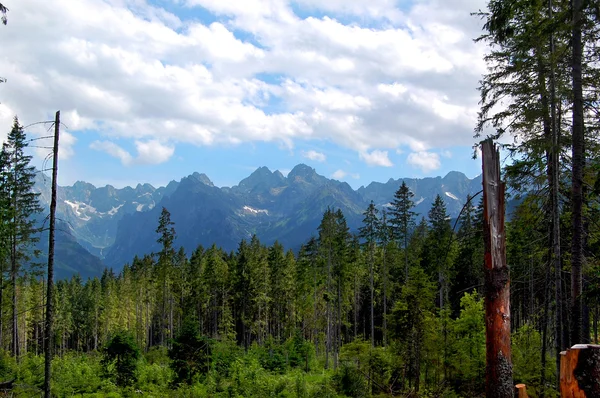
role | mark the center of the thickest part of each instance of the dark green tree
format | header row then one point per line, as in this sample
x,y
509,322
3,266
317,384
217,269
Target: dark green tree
x,y
24,205
190,354
120,357
368,232
438,244
164,267
385,239
409,318
402,219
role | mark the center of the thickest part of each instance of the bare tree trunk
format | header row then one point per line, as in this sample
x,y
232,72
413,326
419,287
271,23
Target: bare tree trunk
x,y
499,381
50,284
385,280
328,337
372,296
578,156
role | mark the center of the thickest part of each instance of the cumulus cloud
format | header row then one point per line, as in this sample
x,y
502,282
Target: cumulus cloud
x,y
340,174
359,74
150,152
376,158
153,152
426,161
314,155
113,150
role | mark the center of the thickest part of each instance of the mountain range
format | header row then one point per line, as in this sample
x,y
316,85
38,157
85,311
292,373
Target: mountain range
x,y
107,226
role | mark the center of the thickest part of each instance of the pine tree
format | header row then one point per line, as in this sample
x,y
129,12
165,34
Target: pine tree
x,y
5,220
402,219
166,259
24,205
368,232
438,244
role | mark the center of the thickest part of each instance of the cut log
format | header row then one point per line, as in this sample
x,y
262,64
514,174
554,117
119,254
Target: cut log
x,y
580,371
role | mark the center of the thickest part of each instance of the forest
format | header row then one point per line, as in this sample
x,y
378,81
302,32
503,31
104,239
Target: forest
x,y
393,309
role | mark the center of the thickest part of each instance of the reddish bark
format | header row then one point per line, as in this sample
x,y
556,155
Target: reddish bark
x,y
580,371
499,380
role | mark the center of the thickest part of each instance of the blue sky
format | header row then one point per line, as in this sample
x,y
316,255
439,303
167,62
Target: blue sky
x,y
153,91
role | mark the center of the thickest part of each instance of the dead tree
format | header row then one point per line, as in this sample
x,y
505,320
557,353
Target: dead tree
x,y
499,380
50,293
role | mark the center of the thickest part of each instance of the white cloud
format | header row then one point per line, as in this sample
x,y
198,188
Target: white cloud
x,y
314,155
376,158
387,78
150,152
338,174
113,150
426,161
153,152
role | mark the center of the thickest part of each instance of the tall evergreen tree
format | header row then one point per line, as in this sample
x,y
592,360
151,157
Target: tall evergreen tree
x,y
368,232
24,205
166,260
385,237
438,241
402,219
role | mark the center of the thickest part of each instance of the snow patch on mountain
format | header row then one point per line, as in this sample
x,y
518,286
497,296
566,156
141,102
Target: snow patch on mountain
x,y
80,208
418,202
451,195
114,210
248,209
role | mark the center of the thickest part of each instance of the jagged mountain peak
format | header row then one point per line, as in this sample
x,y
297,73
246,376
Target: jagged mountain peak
x,y
82,185
119,223
303,173
203,178
262,179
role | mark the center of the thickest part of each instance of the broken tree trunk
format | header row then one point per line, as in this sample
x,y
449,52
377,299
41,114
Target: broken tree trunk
x,y
499,380
49,337
580,371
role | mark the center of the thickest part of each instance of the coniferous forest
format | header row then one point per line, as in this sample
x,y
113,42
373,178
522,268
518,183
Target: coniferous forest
x,y
394,308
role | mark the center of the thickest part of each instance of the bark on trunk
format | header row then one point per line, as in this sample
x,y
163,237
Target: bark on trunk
x,y
578,156
50,284
499,381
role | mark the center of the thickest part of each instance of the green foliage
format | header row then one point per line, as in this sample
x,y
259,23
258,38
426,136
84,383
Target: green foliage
x,y
467,359
120,358
190,355
527,360
351,382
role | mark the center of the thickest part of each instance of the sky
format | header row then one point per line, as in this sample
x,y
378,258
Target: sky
x,y
152,91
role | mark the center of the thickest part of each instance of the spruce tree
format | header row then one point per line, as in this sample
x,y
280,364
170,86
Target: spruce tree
x,y
402,219
438,244
166,257
21,225
368,232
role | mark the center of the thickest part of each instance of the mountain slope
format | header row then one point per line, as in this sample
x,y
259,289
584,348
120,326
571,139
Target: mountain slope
x,y
117,224
272,206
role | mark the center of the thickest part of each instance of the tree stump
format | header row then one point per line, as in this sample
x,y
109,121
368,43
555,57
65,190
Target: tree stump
x,y
521,391
580,371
